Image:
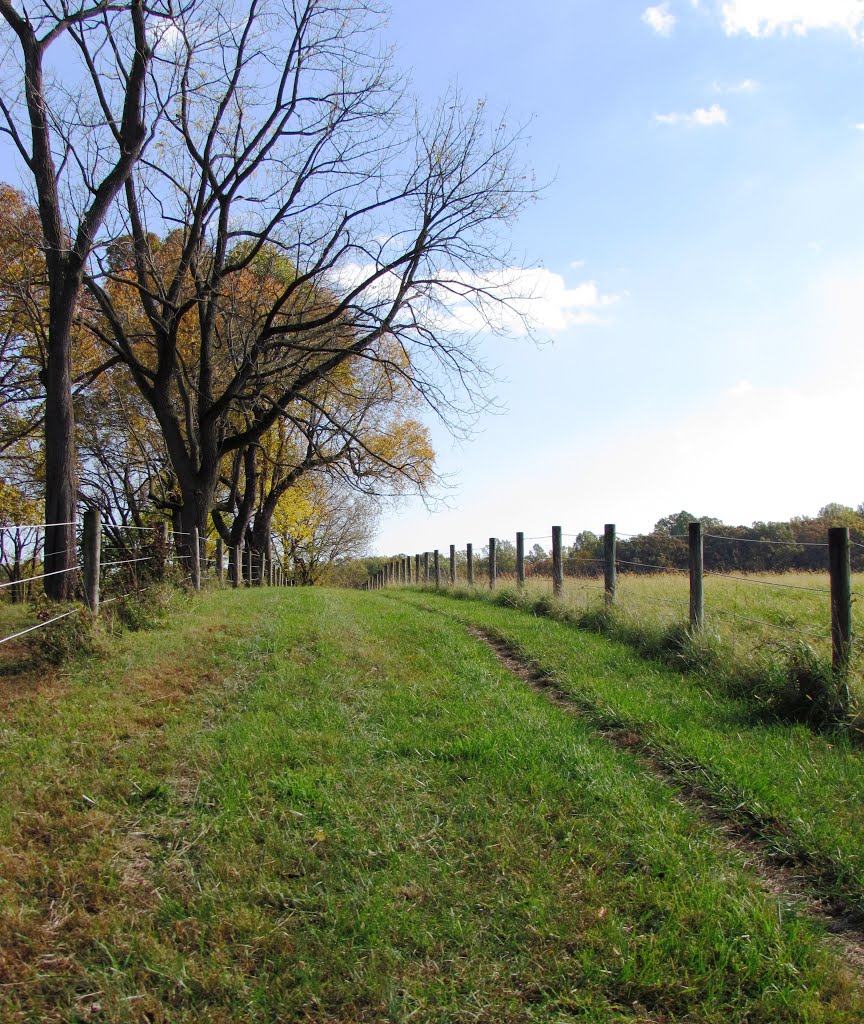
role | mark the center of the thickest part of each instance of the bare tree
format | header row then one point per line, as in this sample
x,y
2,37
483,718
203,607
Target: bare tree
x,y
313,218
78,141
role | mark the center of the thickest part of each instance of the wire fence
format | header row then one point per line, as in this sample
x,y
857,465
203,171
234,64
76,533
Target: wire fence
x,y
820,604
113,562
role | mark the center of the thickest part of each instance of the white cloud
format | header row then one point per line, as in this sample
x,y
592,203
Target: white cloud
x,y
534,294
860,126
660,18
705,118
792,17
743,387
745,86
509,300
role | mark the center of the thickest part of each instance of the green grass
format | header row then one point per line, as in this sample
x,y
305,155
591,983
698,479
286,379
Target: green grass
x,y
333,806
749,615
802,790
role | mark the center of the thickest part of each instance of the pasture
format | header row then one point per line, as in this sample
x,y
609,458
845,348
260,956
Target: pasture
x,y
320,805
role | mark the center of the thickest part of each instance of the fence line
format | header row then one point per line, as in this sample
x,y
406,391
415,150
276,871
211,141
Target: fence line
x,y
840,591
252,568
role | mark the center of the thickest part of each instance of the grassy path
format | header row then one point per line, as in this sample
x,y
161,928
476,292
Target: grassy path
x,y
332,806
803,792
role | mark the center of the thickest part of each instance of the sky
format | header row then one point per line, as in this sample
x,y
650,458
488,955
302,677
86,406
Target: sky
x,y
697,252
699,246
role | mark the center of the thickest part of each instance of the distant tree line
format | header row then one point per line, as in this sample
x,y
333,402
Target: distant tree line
x,y
788,546
799,544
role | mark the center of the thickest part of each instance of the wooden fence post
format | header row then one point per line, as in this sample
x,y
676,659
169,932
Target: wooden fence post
x,y
248,566
452,564
416,568
437,564
469,557
557,563
92,554
520,560
219,557
493,562
610,574
408,570
426,567
697,569
841,598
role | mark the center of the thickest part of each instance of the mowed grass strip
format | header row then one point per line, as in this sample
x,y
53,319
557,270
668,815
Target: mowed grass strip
x,y
804,790
349,811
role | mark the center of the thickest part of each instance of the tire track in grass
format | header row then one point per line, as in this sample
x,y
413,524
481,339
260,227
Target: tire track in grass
x,y
792,885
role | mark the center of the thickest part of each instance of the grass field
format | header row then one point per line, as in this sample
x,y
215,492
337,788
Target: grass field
x,y
315,805
749,613
802,791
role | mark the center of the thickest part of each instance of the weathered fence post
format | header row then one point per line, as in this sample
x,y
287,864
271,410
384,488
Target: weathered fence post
x,y
452,564
493,562
557,562
408,569
248,566
92,554
697,569
195,548
841,598
416,568
610,575
426,567
469,558
520,560
437,564
219,556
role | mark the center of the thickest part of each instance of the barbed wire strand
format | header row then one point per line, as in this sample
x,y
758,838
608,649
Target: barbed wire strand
x,y
35,526
126,561
766,583
656,536
114,526
650,565
43,576
39,625
801,631
655,600
782,543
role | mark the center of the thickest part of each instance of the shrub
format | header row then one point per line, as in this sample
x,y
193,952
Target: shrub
x,y
69,638
800,686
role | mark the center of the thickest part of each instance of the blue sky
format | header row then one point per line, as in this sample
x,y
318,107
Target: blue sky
x,y
703,241
700,247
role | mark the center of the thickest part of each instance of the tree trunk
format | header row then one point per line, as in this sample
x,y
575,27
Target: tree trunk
x,y
61,485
